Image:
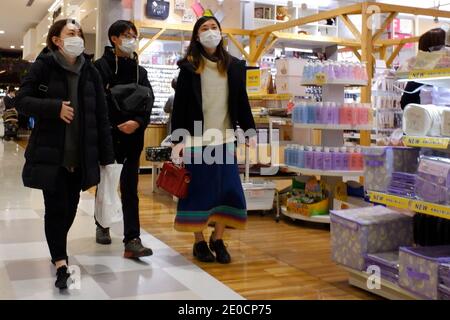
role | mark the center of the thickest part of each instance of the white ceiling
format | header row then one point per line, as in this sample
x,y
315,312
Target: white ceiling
x,y
16,18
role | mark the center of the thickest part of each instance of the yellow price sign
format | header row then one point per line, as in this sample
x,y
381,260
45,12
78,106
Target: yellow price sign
x,y
253,80
320,78
427,142
390,200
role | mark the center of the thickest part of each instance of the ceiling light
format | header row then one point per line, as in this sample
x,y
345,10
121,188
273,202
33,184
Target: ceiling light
x,y
2,71
12,47
55,6
43,43
21,47
2,31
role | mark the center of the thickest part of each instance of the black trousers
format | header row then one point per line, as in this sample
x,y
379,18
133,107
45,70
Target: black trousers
x,y
60,210
129,179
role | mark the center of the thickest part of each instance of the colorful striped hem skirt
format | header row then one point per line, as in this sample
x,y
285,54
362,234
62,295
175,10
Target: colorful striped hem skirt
x,y
215,194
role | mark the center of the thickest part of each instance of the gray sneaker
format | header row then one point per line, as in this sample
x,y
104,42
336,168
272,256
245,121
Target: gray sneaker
x,y
103,236
134,249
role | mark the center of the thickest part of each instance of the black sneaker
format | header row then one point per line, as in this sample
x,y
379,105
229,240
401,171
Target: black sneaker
x,y
134,249
61,277
218,246
202,252
102,236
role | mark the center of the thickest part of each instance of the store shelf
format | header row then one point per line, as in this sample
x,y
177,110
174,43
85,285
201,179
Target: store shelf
x,y
427,142
386,290
336,82
332,126
276,97
435,77
327,173
415,205
296,216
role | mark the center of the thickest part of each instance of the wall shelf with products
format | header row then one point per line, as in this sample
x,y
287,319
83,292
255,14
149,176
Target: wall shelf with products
x,y
160,77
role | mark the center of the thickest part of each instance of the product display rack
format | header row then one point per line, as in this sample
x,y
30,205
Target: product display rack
x,y
296,216
386,290
330,136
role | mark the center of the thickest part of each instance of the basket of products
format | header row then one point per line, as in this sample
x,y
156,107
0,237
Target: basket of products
x,y
308,199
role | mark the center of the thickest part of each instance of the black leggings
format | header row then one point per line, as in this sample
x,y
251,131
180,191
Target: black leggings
x,y
60,210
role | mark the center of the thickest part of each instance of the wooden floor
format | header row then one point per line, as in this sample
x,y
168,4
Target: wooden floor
x,y
271,260
284,260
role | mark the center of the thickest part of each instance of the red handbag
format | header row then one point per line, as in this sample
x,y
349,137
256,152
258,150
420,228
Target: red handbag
x,y
174,179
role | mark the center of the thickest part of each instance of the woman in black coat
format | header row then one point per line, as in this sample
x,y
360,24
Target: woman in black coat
x,y
71,139
210,101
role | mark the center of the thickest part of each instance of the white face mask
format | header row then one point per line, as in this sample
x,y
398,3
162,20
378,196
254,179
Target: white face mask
x,y
73,46
210,39
129,46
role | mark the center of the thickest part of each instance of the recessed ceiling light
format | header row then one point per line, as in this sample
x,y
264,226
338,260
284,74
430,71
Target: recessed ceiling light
x,y
21,47
12,47
2,31
43,43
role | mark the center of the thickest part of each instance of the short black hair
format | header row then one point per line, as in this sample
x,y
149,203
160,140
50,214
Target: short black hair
x,y
11,90
432,40
119,27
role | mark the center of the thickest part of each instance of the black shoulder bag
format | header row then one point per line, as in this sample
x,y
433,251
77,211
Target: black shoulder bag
x,y
131,98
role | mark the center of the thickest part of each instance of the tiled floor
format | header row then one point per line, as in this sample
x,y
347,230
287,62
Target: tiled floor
x,y
26,272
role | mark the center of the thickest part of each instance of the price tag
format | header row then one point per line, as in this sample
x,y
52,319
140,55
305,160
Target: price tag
x,y
320,78
427,142
389,200
424,74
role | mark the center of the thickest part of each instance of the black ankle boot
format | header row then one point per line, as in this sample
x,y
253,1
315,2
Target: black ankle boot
x,y
61,277
202,252
222,255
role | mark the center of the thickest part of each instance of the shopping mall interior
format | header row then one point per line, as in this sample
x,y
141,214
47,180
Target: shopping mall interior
x,y
346,182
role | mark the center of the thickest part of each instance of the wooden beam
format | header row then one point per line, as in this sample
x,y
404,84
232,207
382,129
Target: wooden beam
x,y
394,54
383,52
269,46
385,24
150,41
352,9
239,46
356,53
185,27
260,48
394,42
253,48
411,10
366,56
350,26
320,40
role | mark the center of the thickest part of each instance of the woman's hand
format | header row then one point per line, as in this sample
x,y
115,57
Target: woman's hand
x,y
128,127
177,153
67,113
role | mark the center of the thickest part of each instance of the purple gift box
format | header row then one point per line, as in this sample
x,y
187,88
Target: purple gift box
x,y
361,231
419,269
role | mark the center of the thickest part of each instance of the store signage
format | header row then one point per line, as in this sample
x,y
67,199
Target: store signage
x,y
427,142
426,74
411,204
253,80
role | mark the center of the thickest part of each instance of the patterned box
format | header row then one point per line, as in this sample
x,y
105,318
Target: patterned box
x,y
357,232
419,269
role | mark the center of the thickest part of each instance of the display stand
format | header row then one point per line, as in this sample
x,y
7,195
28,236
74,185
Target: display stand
x,y
330,136
386,290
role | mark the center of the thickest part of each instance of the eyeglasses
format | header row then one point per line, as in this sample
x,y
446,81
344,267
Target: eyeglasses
x,y
129,36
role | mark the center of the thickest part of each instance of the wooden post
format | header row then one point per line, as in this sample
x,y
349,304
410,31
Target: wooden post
x,y
383,53
253,49
366,56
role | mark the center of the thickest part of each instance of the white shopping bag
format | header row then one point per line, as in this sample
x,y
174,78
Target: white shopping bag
x,y
108,206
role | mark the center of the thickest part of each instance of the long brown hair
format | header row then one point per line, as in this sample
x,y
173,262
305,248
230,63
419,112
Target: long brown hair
x,y
195,50
55,31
